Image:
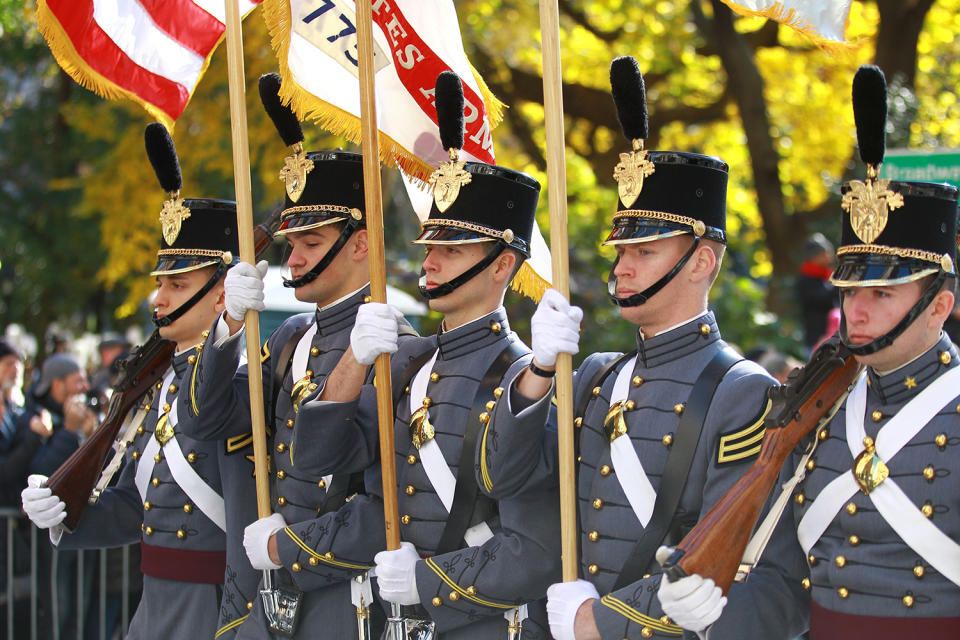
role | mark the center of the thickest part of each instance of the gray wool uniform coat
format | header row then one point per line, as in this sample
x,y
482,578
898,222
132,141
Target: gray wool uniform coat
x,y
466,591
223,414
195,584
520,451
860,565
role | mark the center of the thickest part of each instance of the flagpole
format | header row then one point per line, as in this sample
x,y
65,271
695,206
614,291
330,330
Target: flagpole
x,y
378,273
241,182
557,190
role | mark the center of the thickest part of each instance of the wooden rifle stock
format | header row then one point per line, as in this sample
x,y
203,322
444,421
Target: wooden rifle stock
x,y
74,480
715,546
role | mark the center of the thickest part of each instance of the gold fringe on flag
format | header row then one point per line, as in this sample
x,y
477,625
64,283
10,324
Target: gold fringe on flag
x,y
796,21
276,13
529,283
86,76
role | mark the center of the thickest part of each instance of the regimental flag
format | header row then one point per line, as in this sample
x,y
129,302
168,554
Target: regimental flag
x,y
414,41
150,51
823,21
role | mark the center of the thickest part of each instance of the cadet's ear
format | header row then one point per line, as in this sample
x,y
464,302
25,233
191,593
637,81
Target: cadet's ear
x,y
360,248
220,292
703,261
941,308
503,266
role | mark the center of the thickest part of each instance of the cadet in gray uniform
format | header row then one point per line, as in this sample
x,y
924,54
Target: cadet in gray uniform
x,y
883,542
171,493
325,263
467,564
663,431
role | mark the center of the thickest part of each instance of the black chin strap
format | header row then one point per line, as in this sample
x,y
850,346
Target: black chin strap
x,y
639,298
348,229
887,339
448,287
169,319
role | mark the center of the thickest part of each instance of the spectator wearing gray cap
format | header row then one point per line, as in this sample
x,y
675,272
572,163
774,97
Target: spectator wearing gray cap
x,y
60,391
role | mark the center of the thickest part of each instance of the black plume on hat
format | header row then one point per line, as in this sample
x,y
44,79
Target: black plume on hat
x,y
284,119
449,100
630,96
163,156
870,113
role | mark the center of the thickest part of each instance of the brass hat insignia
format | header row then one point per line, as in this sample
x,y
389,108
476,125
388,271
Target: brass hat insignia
x,y
629,174
446,182
294,172
172,216
869,204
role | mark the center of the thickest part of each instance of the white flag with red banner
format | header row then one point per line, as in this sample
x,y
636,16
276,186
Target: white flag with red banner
x,y
414,41
150,51
823,21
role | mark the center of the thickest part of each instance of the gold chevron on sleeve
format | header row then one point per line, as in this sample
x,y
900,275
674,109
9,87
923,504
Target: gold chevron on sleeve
x,y
743,443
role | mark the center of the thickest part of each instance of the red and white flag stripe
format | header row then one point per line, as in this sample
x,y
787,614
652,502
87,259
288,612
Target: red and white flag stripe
x,y
151,51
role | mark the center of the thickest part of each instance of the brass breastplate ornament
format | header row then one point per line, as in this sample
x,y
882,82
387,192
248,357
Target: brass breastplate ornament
x,y
301,389
421,431
615,424
868,469
164,430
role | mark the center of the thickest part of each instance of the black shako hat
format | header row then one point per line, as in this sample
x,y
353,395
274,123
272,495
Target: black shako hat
x,y
196,232
474,201
893,231
322,187
661,193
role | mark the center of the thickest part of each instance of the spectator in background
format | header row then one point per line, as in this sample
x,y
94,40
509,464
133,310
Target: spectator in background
x,y
61,391
20,436
111,347
777,364
815,295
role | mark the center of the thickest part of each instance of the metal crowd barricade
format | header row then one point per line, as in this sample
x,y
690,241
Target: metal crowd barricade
x,y
23,578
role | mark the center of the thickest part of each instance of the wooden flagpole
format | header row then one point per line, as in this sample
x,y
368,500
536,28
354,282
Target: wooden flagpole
x,y
378,273
557,190
241,181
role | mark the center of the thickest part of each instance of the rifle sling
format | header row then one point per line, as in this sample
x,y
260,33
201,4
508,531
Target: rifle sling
x,y
469,507
677,469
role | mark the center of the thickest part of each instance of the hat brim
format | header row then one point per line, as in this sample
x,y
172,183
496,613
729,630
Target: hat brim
x,y
307,220
637,230
172,265
451,235
879,271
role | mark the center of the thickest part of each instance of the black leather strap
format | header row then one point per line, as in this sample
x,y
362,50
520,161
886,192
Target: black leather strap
x,y
466,495
675,474
596,381
170,318
401,384
282,365
640,298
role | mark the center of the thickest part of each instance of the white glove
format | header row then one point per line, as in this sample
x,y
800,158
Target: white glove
x,y
243,288
555,327
563,602
691,602
41,506
375,331
397,574
256,538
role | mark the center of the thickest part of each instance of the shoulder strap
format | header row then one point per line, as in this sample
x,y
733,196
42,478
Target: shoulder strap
x,y
400,383
597,380
279,371
466,493
675,474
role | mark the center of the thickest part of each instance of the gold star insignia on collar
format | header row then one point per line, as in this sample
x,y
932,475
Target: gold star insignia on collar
x,y
909,383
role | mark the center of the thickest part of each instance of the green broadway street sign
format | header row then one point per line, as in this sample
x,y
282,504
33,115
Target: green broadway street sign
x,y
922,166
